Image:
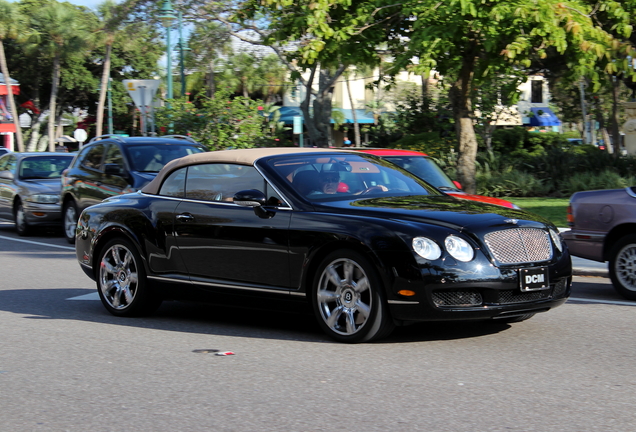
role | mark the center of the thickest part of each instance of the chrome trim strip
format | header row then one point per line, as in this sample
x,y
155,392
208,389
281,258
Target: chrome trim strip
x,y
630,192
220,285
224,203
402,302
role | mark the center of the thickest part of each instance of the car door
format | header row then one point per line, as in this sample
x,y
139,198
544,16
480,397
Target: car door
x,y
223,242
7,186
86,181
113,183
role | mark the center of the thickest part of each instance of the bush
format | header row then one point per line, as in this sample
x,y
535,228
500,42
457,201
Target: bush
x,y
426,142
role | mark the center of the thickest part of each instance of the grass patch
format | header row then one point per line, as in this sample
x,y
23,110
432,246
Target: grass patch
x,y
553,209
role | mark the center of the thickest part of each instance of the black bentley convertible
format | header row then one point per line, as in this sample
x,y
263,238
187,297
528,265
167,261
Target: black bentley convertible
x,y
365,243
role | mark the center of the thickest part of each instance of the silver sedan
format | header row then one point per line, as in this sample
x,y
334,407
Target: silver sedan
x,y
30,185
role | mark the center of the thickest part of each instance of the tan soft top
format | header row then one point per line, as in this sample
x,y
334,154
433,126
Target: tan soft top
x,y
243,157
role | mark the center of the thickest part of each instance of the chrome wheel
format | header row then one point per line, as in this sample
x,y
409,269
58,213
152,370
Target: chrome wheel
x,y
70,221
118,278
347,299
626,267
121,280
622,267
344,297
21,224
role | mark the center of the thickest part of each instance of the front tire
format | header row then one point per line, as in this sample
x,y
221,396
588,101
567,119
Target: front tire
x,y
21,225
69,221
622,267
121,281
348,300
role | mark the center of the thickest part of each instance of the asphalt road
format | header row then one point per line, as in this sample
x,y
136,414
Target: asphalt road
x,y
68,365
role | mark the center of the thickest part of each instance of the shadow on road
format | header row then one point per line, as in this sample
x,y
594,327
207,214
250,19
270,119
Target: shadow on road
x,y
250,318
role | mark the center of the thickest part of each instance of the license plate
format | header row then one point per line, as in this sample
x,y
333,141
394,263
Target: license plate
x,y
534,279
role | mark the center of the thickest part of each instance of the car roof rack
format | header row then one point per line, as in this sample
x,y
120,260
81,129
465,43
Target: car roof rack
x,y
183,137
111,136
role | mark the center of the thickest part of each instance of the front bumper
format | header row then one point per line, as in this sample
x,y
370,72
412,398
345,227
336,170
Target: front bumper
x,y
477,291
42,214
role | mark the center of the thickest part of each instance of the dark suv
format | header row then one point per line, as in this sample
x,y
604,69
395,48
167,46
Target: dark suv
x,y
112,165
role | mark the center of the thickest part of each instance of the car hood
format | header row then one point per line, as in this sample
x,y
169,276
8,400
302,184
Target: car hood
x,y
42,186
481,198
439,210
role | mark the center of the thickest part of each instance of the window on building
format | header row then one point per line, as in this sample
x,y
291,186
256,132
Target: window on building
x,y
537,91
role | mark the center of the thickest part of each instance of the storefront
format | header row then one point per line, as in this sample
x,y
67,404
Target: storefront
x,y
7,125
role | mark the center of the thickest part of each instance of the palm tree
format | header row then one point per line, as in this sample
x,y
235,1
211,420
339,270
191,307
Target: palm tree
x,y
273,77
109,23
10,27
208,42
59,30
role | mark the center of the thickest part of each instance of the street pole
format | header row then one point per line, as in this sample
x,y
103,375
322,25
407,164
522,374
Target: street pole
x,y
110,106
167,17
181,61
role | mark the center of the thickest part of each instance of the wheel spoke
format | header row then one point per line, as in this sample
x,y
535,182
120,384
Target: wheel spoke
x,y
128,295
333,275
348,269
326,296
350,321
335,315
363,308
362,285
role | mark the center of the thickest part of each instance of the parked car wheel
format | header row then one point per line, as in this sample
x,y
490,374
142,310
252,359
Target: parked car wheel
x,y
69,221
121,282
622,267
21,225
348,299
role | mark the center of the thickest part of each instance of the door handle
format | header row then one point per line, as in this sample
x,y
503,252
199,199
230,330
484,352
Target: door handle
x,y
185,217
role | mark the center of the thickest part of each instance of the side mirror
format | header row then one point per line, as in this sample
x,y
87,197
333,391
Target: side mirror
x,y
113,169
253,198
458,184
6,175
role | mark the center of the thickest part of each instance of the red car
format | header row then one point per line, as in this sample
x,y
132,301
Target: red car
x,y
425,168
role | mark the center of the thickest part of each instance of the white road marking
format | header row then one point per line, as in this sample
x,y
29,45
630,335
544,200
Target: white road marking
x,y
90,296
38,243
612,302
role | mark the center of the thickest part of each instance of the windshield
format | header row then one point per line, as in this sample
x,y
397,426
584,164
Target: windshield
x,y
426,169
152,157
44,167
333,177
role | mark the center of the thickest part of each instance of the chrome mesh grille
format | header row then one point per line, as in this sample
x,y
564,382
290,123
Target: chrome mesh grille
x,y
519,245
457,298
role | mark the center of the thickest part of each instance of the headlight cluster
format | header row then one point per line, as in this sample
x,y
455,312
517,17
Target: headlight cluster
x,y
44,199
556,238
457,247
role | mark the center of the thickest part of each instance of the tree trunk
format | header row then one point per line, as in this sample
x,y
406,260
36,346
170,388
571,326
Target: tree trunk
x,y
52,107
354,114
463,113
318,122
103,89
614,121
12,106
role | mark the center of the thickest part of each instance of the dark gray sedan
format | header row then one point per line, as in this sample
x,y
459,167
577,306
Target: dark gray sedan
x,y
603,226
30,185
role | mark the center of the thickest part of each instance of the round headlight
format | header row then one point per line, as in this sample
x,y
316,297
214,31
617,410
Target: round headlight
x,y
44,198
556,238
426,248
459,248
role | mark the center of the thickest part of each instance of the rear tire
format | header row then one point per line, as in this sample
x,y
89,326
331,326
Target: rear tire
x,y
348,299
69,221
22,227
622,266
121,281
